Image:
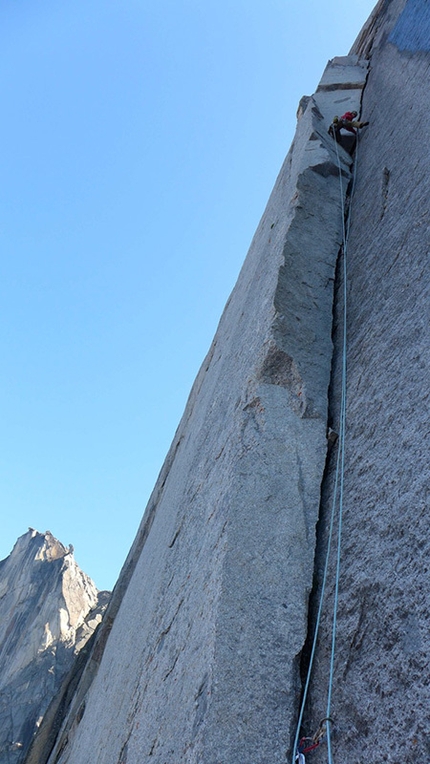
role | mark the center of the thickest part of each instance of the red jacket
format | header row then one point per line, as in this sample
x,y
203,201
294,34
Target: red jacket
x,y
348,116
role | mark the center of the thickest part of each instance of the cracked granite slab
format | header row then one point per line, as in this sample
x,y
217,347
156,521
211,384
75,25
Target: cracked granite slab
x,y
202,660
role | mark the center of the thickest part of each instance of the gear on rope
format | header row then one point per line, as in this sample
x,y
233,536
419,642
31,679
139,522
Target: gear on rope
x,y
308,744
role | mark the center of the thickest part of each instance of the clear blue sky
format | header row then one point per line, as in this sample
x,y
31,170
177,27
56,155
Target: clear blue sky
x,y
140,140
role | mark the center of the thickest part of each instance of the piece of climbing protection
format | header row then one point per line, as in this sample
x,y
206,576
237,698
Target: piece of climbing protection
x,y
308,744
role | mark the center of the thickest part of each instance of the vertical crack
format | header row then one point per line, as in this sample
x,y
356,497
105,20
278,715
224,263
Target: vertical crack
x,y
312,716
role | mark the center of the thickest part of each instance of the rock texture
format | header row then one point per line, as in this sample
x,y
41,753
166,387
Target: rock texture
x,y
381,683
202,660
202,651
48,610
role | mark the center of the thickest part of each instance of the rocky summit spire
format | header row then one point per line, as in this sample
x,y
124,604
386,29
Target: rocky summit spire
x,y
48,610
205,648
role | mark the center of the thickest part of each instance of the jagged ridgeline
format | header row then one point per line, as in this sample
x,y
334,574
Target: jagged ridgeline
x,y
49,609
208,641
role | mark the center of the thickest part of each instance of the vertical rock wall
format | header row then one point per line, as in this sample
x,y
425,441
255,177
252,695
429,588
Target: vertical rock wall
x,y
202,659
199,656
381,685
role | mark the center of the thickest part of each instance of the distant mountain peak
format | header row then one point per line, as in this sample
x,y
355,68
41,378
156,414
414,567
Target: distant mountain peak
x,y
49,608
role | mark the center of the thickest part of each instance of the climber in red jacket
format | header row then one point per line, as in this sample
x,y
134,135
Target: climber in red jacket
x,y
348,122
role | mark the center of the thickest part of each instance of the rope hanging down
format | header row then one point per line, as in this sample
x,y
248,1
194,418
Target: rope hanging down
x,y
300,746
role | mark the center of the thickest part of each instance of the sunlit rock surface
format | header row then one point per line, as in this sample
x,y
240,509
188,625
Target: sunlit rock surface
x,y
48,610
198,657
202,661
380,701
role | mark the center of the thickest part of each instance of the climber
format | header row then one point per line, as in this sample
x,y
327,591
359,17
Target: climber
x,y
347,122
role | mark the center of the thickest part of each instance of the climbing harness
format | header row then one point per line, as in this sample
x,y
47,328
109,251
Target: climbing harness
x,y
305,745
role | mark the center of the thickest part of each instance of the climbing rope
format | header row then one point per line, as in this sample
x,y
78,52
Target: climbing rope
x,y
300,747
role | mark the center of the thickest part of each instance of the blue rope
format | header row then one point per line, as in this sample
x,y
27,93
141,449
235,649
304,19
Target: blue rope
x,y
341,449
318,619
338,485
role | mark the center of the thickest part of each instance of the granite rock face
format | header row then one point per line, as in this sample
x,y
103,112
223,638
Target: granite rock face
x,y
381,682
203,651
48,610
202,660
